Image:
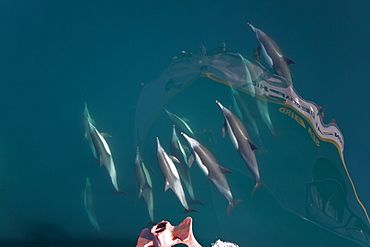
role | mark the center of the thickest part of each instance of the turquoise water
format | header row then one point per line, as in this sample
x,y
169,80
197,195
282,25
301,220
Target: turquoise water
x,y
58,55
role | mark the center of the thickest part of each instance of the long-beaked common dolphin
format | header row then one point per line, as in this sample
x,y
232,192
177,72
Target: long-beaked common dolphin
x,y
211,168
171,176
240,139
180,124
89,205
177,150
102,148
263,109
273,55
86,119
240,108
145,183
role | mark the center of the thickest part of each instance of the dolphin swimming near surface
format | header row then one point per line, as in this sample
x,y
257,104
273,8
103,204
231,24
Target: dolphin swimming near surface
x,y
273,55
102,148
171,175
89,205
180,124
86,119
211,168
177,150
241,141
145,183
263,109
240,108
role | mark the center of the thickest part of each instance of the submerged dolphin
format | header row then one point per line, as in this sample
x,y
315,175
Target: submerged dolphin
x,y
240,108
86,119
180,124
263,109
211,168
89,205
273,55
178,151
145,183
102,148
240,139
171,176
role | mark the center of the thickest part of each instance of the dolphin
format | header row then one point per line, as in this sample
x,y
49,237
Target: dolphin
x,y
263,109
102,148
211,168
273,55
241,141
180,124
89,205
171,175
240,108
177,150
86,118
145,183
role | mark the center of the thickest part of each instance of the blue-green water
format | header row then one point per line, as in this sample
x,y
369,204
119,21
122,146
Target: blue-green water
x,y
57,55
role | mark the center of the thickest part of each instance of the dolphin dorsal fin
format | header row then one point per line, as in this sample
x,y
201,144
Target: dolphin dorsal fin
x,y
253,147
288,60
224,170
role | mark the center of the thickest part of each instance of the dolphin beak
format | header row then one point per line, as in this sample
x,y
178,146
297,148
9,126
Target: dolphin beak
x,y
219,104
251,26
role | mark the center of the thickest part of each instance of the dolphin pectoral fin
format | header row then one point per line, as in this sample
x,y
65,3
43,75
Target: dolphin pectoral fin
x,y
167,186
191,160
258,185
232,205
224,170
174,159
288,60
105,135
101,162
224,129
120,192
253,147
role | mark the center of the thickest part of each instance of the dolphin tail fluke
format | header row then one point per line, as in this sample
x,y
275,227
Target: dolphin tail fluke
x,y
258,185
194,201
232,205
190,211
